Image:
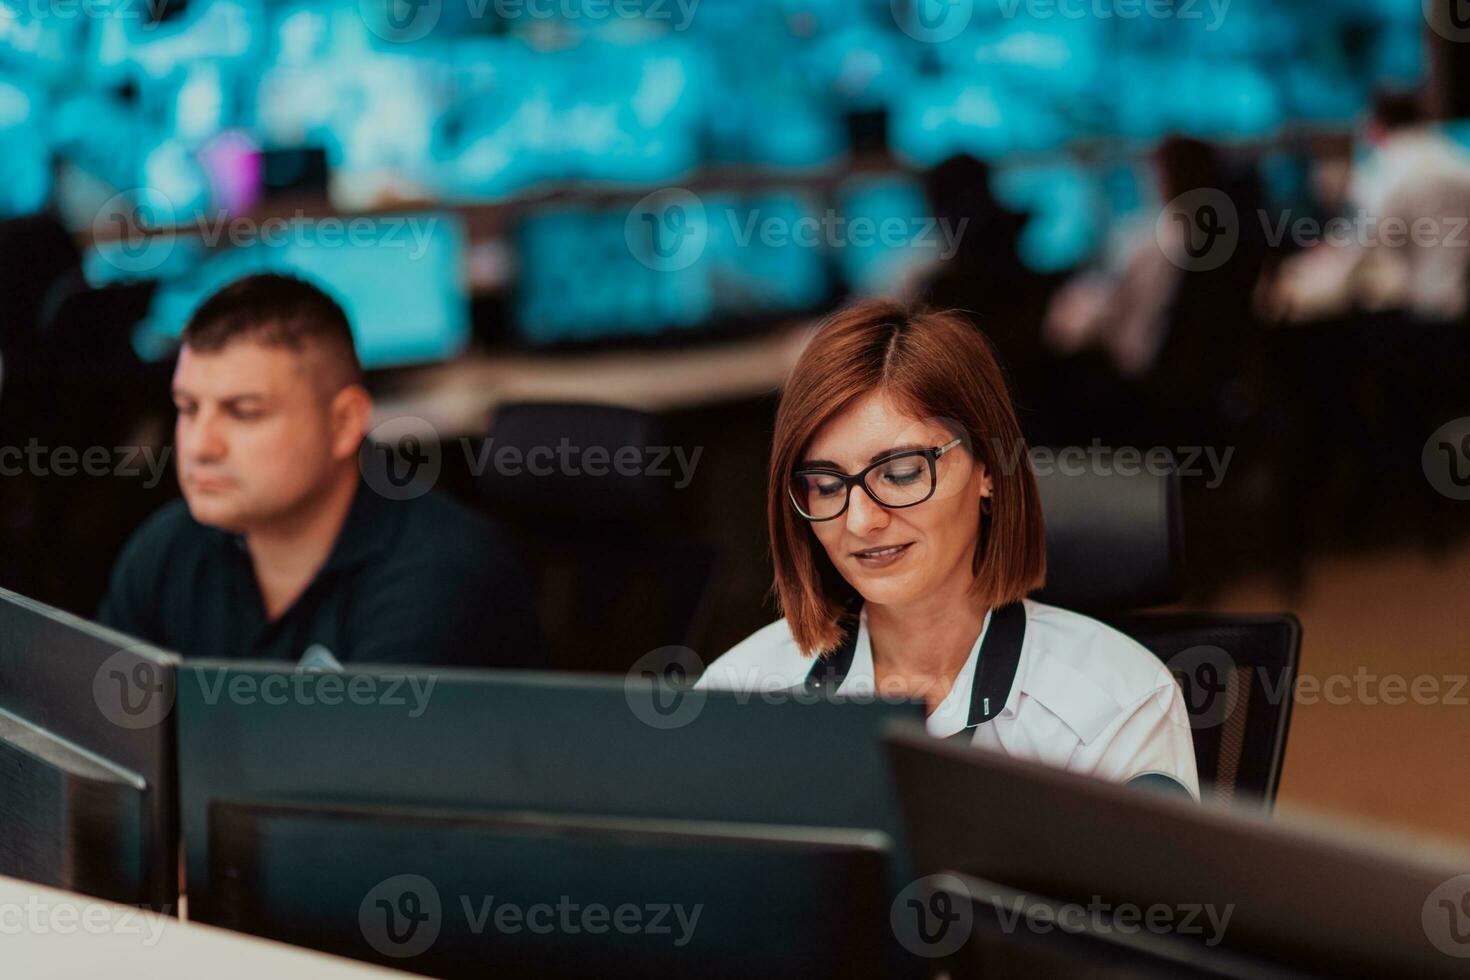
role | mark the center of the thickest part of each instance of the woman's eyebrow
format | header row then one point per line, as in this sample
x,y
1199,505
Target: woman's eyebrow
x,y
896,449
827,464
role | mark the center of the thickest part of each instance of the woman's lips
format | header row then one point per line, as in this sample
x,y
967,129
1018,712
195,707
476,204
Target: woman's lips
x,y
882,557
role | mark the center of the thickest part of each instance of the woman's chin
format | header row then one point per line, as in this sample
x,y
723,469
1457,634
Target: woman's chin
x,y
883,591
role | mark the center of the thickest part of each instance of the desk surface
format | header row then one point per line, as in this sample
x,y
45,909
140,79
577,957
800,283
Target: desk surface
x,y
459,398
46,933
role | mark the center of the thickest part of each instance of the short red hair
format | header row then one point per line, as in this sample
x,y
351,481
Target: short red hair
x,y
936,365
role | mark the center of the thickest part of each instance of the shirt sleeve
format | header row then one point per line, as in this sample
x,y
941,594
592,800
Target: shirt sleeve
x,y
1151,737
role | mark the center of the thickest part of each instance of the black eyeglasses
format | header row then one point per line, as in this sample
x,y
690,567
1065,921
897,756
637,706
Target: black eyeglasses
x,y
903,480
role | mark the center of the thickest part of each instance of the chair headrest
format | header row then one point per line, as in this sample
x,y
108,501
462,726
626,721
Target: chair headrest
x,y
577,473
1114,539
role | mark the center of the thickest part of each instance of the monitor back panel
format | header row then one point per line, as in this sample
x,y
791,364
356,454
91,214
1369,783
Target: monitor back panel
x,y
87,795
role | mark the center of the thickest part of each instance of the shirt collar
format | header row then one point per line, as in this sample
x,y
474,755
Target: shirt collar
x,y
983,688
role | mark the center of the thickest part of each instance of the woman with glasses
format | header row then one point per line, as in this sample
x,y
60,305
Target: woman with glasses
x,y
906,532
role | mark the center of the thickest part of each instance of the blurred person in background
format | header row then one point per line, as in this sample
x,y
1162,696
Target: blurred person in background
x,y
283,544
1172,321
1404,241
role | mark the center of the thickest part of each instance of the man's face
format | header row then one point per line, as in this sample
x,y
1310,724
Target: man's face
x,y
255,433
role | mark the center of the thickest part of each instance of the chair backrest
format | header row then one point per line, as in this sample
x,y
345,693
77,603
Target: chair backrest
x,y
1114,545
1237,674
592,500
1114,537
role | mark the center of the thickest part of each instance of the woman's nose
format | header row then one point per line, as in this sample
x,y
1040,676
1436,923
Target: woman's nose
x,y
864,514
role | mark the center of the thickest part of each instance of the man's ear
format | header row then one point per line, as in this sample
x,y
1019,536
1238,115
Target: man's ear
x,y
351,410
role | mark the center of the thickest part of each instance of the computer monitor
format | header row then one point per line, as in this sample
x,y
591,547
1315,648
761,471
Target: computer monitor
x,y
87,794
1077,868
454,893
398,277
464,748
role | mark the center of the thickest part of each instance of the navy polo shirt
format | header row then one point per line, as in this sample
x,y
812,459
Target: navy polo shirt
x,y
421,581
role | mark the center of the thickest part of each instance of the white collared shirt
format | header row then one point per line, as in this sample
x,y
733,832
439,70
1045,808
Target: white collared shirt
x,y
1085,697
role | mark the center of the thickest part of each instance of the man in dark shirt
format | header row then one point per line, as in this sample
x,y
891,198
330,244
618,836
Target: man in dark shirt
x,y
280,545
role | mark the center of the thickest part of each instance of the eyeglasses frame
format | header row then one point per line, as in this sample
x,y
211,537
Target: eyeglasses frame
x,y
860,479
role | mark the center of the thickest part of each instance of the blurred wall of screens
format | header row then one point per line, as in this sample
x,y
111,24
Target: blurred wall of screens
x,y
190,112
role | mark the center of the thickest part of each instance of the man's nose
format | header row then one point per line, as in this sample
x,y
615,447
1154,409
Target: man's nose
x,y
864,514
202,438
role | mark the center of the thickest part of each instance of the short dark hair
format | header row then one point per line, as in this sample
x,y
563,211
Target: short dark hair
x,y
277,310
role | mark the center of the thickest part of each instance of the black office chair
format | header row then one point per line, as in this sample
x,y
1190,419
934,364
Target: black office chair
x,y
37,259
616,577
1114,545
113,398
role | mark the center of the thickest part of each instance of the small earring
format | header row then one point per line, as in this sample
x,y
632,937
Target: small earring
x,y
985,505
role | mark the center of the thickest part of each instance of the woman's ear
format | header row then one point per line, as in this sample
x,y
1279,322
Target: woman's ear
x,y
987,486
